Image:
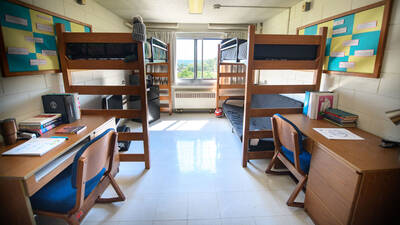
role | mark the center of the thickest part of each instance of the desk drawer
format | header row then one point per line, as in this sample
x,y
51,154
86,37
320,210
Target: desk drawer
x,y
318,212
336,205
341,178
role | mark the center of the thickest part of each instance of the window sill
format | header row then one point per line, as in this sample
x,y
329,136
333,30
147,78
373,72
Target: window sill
x,y
195,84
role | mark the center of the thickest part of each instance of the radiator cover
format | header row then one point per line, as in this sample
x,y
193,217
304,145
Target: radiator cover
x,y
194,99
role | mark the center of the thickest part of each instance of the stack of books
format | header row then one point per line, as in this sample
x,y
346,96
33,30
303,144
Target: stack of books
x,y
340,117
42,122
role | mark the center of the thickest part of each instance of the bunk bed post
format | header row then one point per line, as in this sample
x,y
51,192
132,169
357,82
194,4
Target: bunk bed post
x,y
169,80
60,29
323,31
247,99
143,105
218,71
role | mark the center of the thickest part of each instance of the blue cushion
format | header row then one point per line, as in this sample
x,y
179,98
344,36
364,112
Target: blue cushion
x,y
304,156
58,195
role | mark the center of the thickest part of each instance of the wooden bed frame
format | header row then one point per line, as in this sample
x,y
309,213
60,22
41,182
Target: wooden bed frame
x,y
67,66
223,74
149,65
252,88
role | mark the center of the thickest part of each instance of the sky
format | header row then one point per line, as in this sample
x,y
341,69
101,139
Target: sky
x,y
184,49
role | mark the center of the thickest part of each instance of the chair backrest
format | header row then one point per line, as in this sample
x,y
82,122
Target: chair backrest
x,y
287,134
97,152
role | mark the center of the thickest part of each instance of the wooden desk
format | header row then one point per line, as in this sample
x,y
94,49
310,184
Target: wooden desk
x,y
17,173
350,182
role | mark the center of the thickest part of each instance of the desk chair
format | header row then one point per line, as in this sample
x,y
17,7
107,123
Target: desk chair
x,y
74,191
290,151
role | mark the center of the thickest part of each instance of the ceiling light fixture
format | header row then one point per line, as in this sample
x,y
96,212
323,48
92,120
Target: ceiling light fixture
x,y
196,6
218,6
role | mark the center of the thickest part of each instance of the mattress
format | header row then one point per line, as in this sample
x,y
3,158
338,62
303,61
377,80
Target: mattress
x,y
232,53
235,116
101,51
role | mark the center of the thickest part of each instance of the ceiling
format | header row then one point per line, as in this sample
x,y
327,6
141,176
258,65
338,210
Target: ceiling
x,y
178,10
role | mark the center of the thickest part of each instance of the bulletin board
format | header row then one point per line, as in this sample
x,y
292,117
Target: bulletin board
x,y
356,40
28,38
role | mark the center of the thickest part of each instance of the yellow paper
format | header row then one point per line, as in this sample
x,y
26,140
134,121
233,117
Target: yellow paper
x,y
328,24
301,32
371,15
363,64
326,63
51,62
77,27
337,44
40,19
18,39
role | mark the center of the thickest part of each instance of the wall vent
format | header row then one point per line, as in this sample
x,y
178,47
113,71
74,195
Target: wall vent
x,y
193,99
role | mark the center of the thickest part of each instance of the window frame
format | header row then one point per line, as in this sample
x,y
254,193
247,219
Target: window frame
x,y
195,60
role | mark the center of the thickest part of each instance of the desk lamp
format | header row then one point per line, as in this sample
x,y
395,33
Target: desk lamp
x,y
394,116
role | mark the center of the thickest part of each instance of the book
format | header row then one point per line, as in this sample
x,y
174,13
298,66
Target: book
x,y
337,119
77,106
37,126
306,103
35,146
71,129
318,102
341,114
41,119
341,124
44,129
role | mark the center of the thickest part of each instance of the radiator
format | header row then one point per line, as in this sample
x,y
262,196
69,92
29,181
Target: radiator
x,y
194,99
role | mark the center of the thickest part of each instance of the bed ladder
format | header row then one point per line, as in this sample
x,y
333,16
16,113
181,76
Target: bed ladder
x,y
68,65
252,88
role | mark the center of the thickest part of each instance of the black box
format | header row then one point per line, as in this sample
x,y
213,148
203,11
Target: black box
x,y
60,103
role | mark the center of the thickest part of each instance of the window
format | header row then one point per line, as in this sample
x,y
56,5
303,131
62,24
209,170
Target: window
x,y
197,58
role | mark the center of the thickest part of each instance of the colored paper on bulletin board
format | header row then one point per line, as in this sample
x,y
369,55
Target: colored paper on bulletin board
x,y
353,40
29,38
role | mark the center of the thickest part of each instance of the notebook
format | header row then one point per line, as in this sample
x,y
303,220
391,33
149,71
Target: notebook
x,y
71,130
35,147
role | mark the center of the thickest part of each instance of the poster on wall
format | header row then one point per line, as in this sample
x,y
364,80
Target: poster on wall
x,y
28,38
356,40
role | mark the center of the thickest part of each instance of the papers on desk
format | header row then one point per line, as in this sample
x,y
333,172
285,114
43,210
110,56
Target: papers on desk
x,y
338,134
35,146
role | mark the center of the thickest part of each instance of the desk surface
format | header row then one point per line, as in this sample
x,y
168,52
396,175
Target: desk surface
x,y
22,167
363,156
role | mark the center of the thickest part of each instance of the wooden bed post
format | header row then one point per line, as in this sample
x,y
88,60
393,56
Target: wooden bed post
x,y
218,71
169,81
247,98
143,105
323,31
60,29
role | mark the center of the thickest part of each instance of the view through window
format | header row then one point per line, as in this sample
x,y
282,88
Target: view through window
x,y
197,58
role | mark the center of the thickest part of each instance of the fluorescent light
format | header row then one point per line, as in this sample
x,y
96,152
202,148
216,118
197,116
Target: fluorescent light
x,y
196,6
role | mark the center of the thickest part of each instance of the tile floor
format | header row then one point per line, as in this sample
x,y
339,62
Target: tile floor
x,y
196,178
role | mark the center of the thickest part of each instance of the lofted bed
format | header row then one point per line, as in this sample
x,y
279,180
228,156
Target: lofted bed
x,y
251,122
158,65
107,51
231,71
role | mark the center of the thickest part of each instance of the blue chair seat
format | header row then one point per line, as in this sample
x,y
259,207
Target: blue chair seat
x,y
59,195
304,158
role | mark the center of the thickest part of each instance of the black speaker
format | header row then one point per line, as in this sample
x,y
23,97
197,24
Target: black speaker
x,y
60,103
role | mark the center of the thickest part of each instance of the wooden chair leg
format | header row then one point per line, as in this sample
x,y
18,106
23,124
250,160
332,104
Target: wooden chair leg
x,y
275,160
121,196
299,187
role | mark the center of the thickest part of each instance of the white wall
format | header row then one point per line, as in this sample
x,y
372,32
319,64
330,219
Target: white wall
x,y
367,97
20,97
